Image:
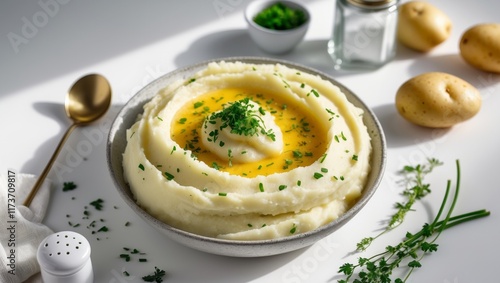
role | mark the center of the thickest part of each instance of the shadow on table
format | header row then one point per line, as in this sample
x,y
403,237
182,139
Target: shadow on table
x,y
451,63
401,133
195,266
236,43
54,111
85,142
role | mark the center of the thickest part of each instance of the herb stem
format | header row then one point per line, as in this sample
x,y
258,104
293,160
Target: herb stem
x,y
414,247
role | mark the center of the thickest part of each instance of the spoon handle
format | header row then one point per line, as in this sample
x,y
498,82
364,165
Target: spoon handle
x,y
45,172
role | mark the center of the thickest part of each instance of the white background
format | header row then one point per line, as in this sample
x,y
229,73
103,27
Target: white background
x,y
134,42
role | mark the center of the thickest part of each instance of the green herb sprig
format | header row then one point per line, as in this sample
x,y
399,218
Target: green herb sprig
x,y
242,119
412,248
415,189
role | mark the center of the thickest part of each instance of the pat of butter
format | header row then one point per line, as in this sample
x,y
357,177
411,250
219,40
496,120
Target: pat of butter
x,y
242,148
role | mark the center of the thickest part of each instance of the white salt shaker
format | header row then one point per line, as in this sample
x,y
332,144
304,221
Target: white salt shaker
x,y
64,257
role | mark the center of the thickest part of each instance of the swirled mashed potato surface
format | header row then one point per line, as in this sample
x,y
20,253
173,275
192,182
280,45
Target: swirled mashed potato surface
x,y
303,166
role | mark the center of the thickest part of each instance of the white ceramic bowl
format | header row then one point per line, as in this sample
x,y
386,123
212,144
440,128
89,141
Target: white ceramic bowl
x,y
127,116
275,41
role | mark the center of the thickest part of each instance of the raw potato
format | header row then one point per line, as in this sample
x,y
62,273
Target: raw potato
x,y
422,26
437,100
480,47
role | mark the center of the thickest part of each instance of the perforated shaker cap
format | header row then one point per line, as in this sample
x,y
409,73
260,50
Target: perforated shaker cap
x,y
63,253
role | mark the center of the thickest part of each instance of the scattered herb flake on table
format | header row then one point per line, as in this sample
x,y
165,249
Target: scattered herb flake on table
x,y
157,276
97,204
69,186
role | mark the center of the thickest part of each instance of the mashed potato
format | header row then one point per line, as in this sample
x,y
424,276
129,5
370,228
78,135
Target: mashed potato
x,y
248,152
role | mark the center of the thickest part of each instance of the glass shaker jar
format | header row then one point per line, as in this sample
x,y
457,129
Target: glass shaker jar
x,y
364,33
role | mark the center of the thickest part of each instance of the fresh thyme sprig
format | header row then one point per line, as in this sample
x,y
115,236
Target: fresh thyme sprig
x,y
242,119
415,189
412,249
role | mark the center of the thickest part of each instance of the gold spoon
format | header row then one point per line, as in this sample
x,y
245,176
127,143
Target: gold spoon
x,y
87,100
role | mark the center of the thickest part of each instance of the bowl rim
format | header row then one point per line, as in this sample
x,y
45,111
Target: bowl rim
x,y
138,100
251,10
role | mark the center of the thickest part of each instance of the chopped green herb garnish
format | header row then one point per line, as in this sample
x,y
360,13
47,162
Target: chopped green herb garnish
x,y
317,175
141,166
297,154
241,119
331,113
354,157
169,176
323,157
157,276
97,204
69,186
159,118
261,187
280,17
103,229
125,256
282,187
324,170
215,166
314,92
294,229
342,135
182,120
222,194
198,104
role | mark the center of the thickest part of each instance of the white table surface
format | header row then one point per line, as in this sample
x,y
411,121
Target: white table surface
x,y
134,42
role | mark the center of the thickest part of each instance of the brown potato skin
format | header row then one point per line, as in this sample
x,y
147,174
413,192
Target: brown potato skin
x,y
437,100
480,47
422,26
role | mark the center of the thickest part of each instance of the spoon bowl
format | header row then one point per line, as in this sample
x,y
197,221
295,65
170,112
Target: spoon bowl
x,y
87,100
